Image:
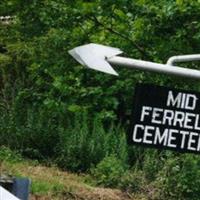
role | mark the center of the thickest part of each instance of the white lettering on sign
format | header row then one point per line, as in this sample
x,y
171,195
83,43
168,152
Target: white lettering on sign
x,y
182,100
161,138
145,112
175,125
172,138
156,116
171,101
148,134
138,126
168,117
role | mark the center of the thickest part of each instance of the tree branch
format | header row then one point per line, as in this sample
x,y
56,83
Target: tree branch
x,y
139,48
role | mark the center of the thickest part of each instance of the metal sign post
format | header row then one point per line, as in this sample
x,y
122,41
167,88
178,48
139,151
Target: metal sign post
x,y
100,57
162,118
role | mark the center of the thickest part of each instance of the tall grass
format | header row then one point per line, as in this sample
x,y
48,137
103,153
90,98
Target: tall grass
x,y
84,144
31,132
79,142
74,142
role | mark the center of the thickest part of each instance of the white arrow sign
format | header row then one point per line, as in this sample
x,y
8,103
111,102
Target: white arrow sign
x,y
100,57
5,195
94,56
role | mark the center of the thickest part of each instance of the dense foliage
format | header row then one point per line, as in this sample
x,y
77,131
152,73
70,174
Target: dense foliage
x,y
53,108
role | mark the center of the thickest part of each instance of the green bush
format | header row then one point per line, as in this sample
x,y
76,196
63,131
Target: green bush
x,y
179,178
109,171
74,141
133,181
83,145
153,161
113,172
7,155
33,132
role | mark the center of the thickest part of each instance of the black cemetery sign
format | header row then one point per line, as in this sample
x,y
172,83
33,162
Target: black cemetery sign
x,y
166,118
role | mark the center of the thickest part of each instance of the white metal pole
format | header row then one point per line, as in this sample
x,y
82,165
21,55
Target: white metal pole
x,y
151,66
183,58
100,57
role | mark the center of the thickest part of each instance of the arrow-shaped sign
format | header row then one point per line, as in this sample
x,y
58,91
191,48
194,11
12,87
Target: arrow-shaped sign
x,y
94,56
100,57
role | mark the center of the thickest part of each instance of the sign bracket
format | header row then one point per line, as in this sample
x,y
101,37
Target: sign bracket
x,y
100,57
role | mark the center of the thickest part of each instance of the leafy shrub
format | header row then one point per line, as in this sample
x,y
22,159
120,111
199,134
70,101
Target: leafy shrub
x,y
83,145
7,155
112,172
74,142
133,181
153,161
32,131
179,178
109,171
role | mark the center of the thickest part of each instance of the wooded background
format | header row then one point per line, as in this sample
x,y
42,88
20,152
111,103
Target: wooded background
x,y
54,109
